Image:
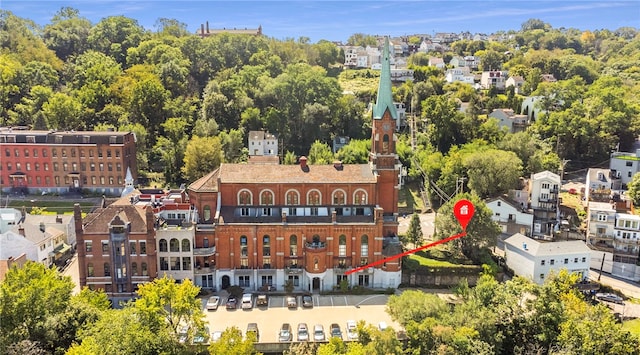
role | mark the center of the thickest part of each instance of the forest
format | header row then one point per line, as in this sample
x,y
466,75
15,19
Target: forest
x,y
191,101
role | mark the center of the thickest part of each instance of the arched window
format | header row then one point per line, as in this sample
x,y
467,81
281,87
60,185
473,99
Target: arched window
x,y
315,239
385,143
107,269
244,198
134,269
144,269
360,197
163,245
206,213
293,245
266,197
244,250
186,245
314,198
293,198
338,197
364,250
174,245
315,264
342,245
90,269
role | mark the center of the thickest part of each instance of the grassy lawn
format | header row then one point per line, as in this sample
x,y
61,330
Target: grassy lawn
x,y
52,206
409,199
424,261
632,326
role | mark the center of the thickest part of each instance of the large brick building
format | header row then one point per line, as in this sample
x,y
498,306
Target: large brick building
x,y
307,224
59,162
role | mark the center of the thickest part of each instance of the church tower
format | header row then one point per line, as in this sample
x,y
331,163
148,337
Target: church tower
x,y
383,157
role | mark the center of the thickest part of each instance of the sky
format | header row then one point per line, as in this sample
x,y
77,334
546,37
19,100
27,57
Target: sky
x,y
337,20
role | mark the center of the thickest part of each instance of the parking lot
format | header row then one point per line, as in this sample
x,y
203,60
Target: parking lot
x,y
325,311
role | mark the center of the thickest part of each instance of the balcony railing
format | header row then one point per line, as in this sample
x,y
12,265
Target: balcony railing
x,y
601,236
294,270
204,251
203,270
315,245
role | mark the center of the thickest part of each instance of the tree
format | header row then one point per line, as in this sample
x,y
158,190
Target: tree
x,y
320,153
414,233
165,304
356,152
29,296
202,156
232,343
233,146
114,35
361,39
415,306
482,231
444,122
634,189
67,33
492,172
171,148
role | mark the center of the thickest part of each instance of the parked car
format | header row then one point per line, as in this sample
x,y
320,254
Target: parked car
x,y
215,336
292,302
247,301
303,332
253,328
183,334
307,301
212,303
318,332
262,301
610,297
201,337
352,331
334,330
382,326
285,333
232,302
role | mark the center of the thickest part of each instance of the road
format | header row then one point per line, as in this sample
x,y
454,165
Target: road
x,y
427,221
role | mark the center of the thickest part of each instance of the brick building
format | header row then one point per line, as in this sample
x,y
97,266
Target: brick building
x,y
307,224
60,162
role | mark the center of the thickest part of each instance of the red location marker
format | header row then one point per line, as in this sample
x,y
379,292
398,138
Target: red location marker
x,y
463,210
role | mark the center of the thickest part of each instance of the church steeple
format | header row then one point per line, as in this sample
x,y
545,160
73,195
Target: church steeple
x,y
384,101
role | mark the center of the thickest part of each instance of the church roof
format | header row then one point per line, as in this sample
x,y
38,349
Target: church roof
x,y
384,101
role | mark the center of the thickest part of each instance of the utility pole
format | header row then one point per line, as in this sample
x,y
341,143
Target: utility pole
x,y
601,266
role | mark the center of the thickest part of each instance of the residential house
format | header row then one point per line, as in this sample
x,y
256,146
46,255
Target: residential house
x,y
7,262
306,224
494,79
263,147
544,190
436,62
531,108
429,46
517,82
510,120
60,162
511,217
537,260
470,61
401,75
599,185
626,244
461,74
548,78
623,166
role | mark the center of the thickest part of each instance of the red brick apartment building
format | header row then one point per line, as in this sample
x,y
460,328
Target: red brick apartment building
x,y
258,226
60,162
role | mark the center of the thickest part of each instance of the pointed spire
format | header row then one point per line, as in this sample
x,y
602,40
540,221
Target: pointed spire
x,y
128,183
384,100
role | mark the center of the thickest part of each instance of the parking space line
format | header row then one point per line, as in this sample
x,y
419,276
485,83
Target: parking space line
x,y
317,299
283,300
331,298
345,301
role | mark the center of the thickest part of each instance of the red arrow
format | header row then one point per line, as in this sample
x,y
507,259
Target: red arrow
x,y
459,235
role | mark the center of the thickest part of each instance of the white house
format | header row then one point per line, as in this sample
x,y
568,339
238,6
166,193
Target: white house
x,y
262,143
436,62
626,247
544,188
494,79
517,82
537,260
598,185
510,216
461,74
510,120
624,165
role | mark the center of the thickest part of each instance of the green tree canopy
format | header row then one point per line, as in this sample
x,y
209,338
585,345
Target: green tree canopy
x,y
202,156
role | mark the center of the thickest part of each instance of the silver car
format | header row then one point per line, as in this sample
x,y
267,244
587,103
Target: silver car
x,y
303,332
318,332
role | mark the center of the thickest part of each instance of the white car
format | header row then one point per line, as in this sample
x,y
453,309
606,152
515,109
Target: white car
x,y
303,332
318,332
215,336
213,303
352,331
247,301
610,297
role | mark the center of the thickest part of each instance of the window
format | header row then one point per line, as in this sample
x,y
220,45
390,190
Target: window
x,y
28,166
267,280
266,246
314,198
64,153
175,263
338,197
90,272
35,153
16,152
340,278
244,198
266,198
360,197
132,248
545,185
541,276
629,163
134,269
364,250
385,143
164,263
108,153
144,268
110,167
206,213
541,262
37,166
88,246
293,198
566,260
294,280
143,249
552,262
244,250
105,247
46,166
54,152
363,280
9,166
602,217
293,245
117,153
244,263
243,281
342,245
7,152
107,269
186,245
26,153
186,263
174,245
584,259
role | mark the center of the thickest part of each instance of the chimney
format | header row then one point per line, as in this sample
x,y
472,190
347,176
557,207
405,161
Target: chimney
x,y
337,164
303,163
77,217
59,219
21,230
207,26
202,30
150,218
42,227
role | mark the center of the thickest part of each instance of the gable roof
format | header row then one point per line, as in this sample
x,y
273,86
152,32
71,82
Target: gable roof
x,y
536,248
98,222
545,175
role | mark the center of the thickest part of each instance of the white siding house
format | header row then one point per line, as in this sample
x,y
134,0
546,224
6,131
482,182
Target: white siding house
x,y
510,216
536,260
624,165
